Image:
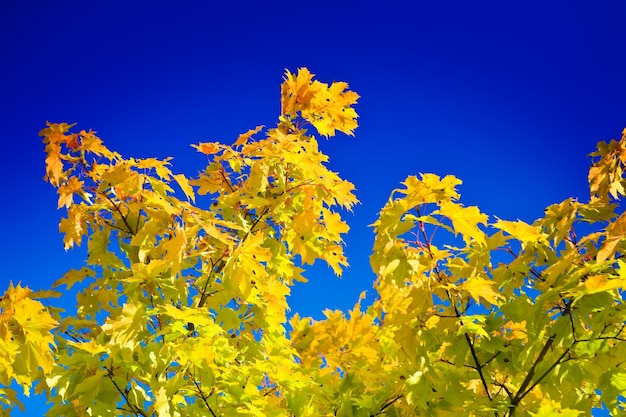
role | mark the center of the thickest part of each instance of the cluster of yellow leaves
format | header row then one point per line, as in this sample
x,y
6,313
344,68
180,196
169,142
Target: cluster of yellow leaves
x,y
26,342
554,321
328,108
606,176
182,304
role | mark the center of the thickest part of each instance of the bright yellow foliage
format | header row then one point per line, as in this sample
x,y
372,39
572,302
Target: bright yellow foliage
x,y
182,303
26,341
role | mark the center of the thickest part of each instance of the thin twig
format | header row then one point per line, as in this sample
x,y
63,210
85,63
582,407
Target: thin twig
x,y
133,408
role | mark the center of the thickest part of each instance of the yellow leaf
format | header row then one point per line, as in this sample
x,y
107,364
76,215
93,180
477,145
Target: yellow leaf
x,y
296,91
91,346
335,226
161,405
72,277
330,109
125,328
160,166
66,192
244,137
93,144
326,108
516,330
520,230
615,232
601,283
184,185
481,288
208,148
551,408
73,227
247,265
34,324
335,259
210,181
465,220
430,188
15,293
54,138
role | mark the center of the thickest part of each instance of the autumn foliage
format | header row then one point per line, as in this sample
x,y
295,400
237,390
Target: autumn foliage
x,y
181,306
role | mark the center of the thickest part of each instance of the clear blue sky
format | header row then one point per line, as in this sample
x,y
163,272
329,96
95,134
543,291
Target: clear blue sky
x,y
508,96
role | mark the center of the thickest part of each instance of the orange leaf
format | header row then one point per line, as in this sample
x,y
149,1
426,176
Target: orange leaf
x,y
208,148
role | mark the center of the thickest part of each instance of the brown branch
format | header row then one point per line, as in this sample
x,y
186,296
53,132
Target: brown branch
x,y
114,226
74,338
479,367
532,270
492,358
119,211
203,396
133,408
226,180
389,403
558,361
523,391
503,386
446,361
204,295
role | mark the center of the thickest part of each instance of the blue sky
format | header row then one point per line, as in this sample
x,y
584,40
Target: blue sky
x,y
508,96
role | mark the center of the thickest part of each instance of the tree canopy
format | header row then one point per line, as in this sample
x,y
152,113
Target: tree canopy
x,y
181,304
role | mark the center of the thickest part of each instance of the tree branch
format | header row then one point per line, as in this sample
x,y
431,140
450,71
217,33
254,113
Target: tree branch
x,y
387,404
479,367
558,361
124,219
203,396
523,391
133,408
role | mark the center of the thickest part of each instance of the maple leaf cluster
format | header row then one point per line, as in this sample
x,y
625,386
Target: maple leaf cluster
x,y
181,306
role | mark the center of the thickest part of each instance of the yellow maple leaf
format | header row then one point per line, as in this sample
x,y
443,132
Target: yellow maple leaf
x,y
601,283
54,166
480,288
334,257
183,182
335,226
66,192
520,230
247,264
244,137
296,91
208,148
615,233
73,227
430,188
72,277
54,137
326,108
31,330
159,166
91,346
465,220
331,110
514,330
14,294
